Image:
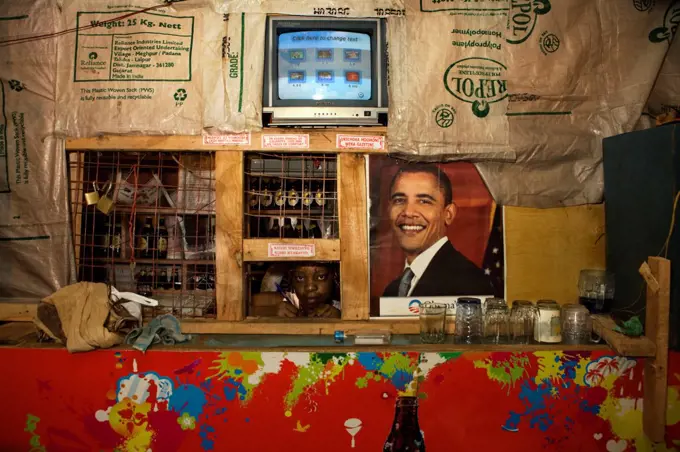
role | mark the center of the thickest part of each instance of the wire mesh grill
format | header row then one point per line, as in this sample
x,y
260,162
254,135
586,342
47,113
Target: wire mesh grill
x,y
152,230
291,195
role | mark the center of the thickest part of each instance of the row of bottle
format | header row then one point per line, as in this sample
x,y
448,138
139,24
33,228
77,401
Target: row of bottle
x,y
149,243
274,193
167,279
294,228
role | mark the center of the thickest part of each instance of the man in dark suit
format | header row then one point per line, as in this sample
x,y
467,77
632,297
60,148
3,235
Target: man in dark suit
x,y
421,209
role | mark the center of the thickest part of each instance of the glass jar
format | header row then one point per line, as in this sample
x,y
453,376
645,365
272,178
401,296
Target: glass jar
x,y
577,325
496,321
522,320
548,328
596,290
469,325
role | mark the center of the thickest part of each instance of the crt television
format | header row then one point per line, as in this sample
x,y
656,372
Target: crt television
x,y
325,72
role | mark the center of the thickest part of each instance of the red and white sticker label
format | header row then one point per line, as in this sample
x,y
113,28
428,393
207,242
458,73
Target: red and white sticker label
x,y
286,141
360,142
229,139
290,250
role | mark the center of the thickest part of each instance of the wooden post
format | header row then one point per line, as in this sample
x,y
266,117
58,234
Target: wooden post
x,y
656,368
77,173
229,235
354,290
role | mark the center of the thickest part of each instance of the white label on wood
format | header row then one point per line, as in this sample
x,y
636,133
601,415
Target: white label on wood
x,y
230,139
375,142
286,141
290,250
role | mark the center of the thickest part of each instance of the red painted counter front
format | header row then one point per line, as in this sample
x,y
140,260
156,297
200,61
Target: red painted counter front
x,y
251,401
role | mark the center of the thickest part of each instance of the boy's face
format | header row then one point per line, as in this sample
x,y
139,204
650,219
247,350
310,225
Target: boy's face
x,y
313,284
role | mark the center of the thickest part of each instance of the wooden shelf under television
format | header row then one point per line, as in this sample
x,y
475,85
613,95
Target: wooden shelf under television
x,y
320,140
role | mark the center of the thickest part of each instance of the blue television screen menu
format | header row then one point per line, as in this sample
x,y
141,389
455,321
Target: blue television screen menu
x,y
324,65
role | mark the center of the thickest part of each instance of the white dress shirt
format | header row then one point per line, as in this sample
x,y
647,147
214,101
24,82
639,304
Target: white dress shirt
x,y
420,263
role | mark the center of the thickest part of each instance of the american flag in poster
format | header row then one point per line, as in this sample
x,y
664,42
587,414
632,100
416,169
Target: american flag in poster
x,y
494,257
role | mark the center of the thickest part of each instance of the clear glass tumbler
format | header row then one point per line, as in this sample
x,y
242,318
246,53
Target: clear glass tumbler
x,y
523,317
496,321
432,323
577,325
469,325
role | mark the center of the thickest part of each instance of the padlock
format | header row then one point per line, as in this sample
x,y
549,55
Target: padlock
x,y
93,196
105,203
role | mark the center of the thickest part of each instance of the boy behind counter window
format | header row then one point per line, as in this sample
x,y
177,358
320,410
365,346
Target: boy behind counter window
x,y
312,287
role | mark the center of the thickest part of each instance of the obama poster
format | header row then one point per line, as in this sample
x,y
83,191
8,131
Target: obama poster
x,y
435,231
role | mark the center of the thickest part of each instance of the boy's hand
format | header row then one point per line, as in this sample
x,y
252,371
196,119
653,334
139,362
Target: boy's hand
x,y
287,310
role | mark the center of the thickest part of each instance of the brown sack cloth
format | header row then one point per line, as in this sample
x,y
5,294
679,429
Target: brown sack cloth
x,y
83,312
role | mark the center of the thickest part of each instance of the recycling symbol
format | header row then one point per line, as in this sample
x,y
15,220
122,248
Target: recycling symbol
x,y
16,85
180,95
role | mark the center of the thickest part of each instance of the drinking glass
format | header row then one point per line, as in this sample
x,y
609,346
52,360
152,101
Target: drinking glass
x,y
522,320
596,290
496,321
469,325
577,325
432,323
548,322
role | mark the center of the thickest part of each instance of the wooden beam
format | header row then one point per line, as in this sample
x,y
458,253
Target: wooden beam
x,y
320,140
624,345
656,368
76,172
229,235
18,312
352,194
257,250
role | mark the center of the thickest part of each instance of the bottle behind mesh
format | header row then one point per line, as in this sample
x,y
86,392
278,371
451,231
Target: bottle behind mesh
x,y
162,240
405,434
145,240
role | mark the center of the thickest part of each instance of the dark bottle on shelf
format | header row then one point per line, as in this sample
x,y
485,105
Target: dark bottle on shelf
x,y
144,284
279,195
293,194
274,228
288,231
405,434
162,240
162,282
267,194
314,231
145,240
307,198
117,240
300,230
177,280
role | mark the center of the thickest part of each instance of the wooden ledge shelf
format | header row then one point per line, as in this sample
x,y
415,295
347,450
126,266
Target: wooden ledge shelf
x,y
620,343
320,140
257,250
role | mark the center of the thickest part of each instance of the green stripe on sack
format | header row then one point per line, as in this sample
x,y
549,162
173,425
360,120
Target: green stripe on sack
x,y
17,239
25,16
240,90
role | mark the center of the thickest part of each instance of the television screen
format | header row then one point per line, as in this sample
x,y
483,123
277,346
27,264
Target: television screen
x,y
324,65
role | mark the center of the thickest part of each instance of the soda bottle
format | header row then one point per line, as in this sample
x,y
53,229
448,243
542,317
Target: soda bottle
x,y
405,434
